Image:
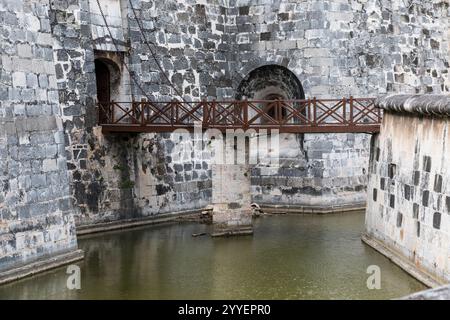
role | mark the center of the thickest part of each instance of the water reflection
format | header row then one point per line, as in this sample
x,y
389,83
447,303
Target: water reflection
x,y
289,257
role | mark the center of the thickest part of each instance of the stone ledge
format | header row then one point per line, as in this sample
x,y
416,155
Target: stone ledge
x,y
296,209
229,232
131,223
40,266
425,104
441,293
421,275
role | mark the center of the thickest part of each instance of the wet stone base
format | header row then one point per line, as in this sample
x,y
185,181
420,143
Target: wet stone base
x,y
231,222
228,231
189,215
394,256
40,266
408,200
231,200
298,209
441,293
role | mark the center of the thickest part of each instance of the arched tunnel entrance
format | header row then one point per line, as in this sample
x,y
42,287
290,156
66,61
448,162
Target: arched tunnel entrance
x,y
268,84
268,88
271,83
314,170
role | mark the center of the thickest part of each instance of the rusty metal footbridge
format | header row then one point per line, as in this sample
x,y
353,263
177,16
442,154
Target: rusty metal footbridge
x,y
352,115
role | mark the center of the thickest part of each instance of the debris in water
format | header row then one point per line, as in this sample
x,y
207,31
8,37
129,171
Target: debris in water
x,y
199,234
256,210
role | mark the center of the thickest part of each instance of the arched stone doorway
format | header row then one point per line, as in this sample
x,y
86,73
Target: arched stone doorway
x,y
270,79
270,83
103,78
108,79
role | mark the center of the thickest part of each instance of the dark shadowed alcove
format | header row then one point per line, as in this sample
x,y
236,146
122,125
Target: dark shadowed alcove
x,y
107,74
269,81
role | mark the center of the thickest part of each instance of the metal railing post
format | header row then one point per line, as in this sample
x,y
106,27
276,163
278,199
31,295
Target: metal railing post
x,y
314,106
278,111
111,109
212,113
133,112
172,115
344,110
378,111
205,112
174,106
351,110
143,101
214,104
308,115
98,113
245,113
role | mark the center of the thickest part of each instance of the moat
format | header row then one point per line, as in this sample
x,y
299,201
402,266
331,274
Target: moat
x,y
289,257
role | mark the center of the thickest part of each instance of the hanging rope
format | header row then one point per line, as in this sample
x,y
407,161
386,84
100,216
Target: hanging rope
x,y
141,30
130,72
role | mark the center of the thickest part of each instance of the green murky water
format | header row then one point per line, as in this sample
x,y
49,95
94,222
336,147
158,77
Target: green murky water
x,y
289,257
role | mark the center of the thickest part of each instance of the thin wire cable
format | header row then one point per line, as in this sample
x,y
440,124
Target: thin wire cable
x,y
152,51
130,72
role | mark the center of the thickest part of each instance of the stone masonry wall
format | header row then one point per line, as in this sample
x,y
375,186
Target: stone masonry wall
x,y
336,49
122,176
408,207
36,215
137,176
345,47
206,49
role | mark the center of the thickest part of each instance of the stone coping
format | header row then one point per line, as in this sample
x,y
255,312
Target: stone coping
x,y
421,275
171,217
424,104
41,265
309,209
441,293
132,223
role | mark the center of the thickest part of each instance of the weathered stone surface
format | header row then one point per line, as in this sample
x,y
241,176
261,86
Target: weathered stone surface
x,y
441,293
36,216
414,138
333,49
429,104
231,199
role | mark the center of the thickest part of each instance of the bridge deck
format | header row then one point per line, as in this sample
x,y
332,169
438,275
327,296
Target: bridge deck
x,y
288,116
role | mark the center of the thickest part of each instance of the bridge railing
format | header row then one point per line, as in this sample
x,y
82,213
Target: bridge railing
x,y
290,116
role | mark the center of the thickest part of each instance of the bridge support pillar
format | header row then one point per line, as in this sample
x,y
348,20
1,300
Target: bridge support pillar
x,y
231,199
232,213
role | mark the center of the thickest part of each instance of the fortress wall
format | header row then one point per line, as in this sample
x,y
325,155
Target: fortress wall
x,y
58,169
207,49
131,176
36,215
408,205
336,49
